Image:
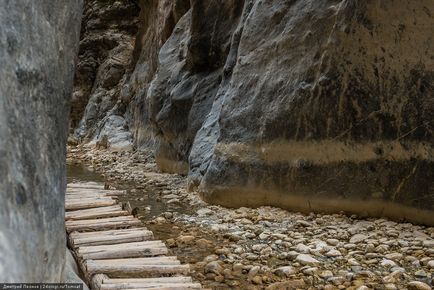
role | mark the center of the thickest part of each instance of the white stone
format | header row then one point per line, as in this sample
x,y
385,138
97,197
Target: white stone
x,y
358,238
306,259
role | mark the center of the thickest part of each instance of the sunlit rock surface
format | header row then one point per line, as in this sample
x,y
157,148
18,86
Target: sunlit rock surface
x,y
38,41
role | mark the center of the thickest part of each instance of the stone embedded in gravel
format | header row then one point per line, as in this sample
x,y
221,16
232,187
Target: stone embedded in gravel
x,y
210,258
333,253
203,211
293,284
303,223
306,259
326,274
213,267
428,243
302,248
420,274
417,285
332,242
237,269
185,240
285,271
257,280
386,263
358,238
394,256
430,264
253,271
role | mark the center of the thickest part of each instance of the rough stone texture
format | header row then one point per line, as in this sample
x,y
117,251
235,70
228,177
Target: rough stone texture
x,y
307,105
106,48
38,41
330,107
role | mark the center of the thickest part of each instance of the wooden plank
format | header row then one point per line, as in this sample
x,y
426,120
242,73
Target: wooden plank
x,y
85,195
78,191
108,233
95,240
88,204
126,250
165,260
101,224
89,199
91,185
138,269
174,279
92,210
111,266
100,212
148,286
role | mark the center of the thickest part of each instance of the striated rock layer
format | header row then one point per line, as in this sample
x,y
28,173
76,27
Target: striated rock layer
x,y
306,105
38,41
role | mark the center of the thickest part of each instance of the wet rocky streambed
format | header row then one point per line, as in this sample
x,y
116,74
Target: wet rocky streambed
x,y
264,248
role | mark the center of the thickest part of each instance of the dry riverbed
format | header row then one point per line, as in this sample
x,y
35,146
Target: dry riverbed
x,y
266,248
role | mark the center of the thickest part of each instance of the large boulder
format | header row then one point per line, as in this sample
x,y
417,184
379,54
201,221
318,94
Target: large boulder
x,y
38,41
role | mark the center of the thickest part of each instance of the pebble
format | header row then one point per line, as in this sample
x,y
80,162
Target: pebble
x,y
285,271
253,271
306,259
333,253
358,238
213,267
417,285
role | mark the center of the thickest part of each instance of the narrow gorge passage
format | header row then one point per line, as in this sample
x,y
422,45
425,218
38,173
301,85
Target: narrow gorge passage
x,y
217,144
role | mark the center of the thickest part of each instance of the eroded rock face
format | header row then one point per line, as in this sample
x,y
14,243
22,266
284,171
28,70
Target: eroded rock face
x,y
106,49
329,107
307,105
38,41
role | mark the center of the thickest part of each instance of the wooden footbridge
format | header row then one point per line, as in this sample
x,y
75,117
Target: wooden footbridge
x,y
111,246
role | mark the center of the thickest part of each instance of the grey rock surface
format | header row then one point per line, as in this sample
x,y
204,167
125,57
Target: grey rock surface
x,y
329,108
306,105
38,41
106,49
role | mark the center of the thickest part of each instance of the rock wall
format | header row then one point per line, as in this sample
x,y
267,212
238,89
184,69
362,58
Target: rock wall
x,y
106,47
307,105
38,41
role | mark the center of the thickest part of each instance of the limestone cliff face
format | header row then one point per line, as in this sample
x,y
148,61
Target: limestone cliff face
x,y
106,48
38,41
307,105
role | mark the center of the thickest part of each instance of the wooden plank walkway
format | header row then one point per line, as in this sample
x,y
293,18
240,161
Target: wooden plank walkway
x,y
113,249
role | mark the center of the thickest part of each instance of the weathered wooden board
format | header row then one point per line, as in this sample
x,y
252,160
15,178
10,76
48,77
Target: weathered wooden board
x,y
146,266
102,224
110,237
175,282
86,185
108,240
125,250
88,203
100,212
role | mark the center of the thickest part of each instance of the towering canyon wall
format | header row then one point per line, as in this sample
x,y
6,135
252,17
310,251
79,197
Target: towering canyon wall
x,y
38,41
307,105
